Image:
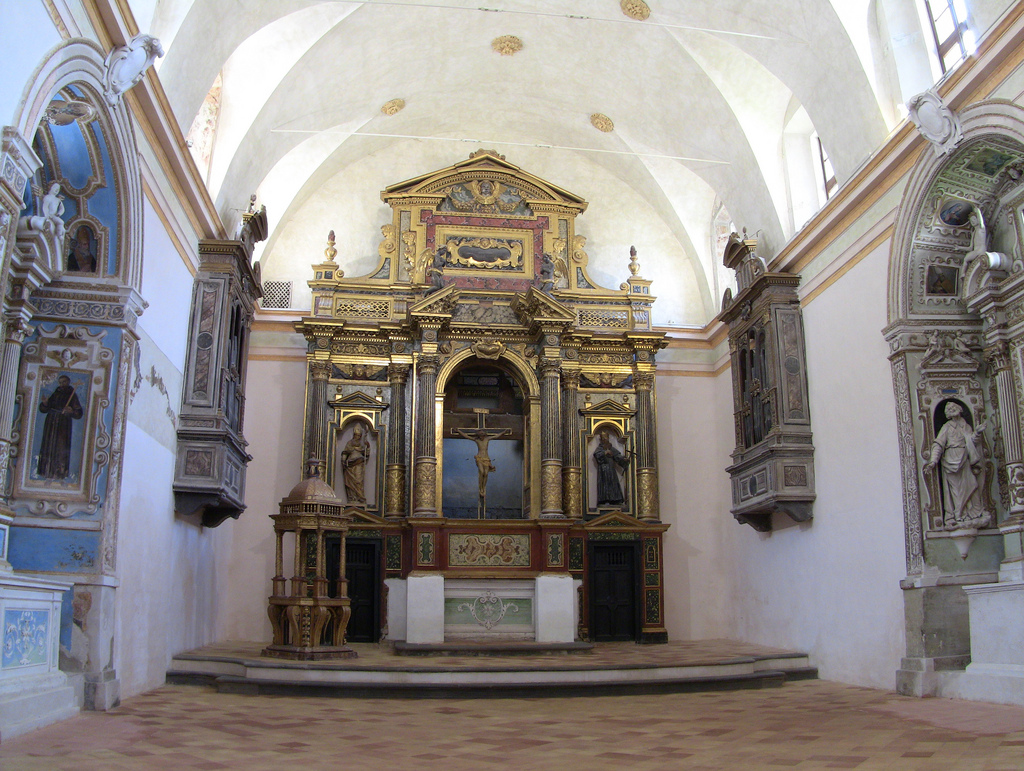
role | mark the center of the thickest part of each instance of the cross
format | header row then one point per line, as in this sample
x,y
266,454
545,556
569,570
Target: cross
x,y
482,436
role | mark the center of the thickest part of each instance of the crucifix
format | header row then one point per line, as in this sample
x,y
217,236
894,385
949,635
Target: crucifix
x,y
482,436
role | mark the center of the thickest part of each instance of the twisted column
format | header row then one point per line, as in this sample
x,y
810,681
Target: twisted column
x,y
395,470
550,440
425,471
317,415
572,450
646,450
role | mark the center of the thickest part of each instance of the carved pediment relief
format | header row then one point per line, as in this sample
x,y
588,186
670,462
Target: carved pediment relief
x,y
440,304
485,183
536,307
358,401
608,407
615,520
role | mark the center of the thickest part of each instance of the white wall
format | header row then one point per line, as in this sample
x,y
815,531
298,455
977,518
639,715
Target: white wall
x,y
275,401
170,568
695,438
25,36
830,587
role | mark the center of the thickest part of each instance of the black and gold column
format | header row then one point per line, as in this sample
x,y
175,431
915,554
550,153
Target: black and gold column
x,y
425,473
572,449
646,450
318,417
397,463
550,440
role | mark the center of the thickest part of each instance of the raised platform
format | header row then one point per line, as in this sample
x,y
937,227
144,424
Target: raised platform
x,y
609,668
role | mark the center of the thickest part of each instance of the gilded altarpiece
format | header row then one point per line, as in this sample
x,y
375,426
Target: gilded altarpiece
x,y
482,405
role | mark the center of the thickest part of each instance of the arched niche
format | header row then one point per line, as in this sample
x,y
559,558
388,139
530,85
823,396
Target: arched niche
x,y
63,321
357,456
608,463
74,71
958,341
937,337
499,396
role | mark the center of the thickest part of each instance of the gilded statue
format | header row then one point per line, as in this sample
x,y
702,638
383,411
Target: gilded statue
x,y
353,463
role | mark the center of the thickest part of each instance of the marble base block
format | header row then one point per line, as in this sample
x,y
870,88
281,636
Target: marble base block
x,y
424,616
555,608
996,671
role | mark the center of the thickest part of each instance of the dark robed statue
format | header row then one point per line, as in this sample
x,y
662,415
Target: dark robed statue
x,y
60,408
609,460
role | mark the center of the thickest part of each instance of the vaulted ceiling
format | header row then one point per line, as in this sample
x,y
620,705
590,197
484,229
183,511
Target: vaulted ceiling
x,y
701,98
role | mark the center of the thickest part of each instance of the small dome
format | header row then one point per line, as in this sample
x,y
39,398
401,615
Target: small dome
x,y
313,488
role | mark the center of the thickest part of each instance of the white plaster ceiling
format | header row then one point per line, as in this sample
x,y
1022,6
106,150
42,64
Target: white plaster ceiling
x,y
700,94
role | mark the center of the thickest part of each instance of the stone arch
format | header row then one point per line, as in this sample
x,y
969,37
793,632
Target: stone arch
x,y
61,328
995,121
517,363
527,376
80,62
951,343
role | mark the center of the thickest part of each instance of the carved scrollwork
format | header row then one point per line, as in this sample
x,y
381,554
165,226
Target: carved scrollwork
x,y
488,348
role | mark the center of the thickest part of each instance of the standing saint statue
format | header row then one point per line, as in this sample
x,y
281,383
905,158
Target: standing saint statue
x,y
609,460
958,448
353,463
60,408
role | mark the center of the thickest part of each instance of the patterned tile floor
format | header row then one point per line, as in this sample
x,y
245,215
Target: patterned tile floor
x,y
805,725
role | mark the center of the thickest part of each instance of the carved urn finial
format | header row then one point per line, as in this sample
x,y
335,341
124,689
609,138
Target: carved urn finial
x,y
634,266
330,252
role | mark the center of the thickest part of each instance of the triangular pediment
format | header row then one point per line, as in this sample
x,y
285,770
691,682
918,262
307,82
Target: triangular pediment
x,y
436,304
608,407
485,165
614,520
362,518
359,401
536,307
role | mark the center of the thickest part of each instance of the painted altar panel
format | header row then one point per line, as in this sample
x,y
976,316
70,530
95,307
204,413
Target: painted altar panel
x,y
65,417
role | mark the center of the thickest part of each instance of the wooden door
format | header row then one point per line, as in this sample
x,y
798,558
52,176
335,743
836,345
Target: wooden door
x,y
614,590
362,569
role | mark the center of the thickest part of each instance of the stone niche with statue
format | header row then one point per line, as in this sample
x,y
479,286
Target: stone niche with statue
x,y
486,412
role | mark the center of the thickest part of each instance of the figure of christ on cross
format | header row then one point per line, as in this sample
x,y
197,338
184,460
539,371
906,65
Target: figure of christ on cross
x,y
482,436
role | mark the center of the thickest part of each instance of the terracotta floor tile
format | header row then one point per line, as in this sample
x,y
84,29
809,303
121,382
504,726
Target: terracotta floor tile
x,y
804,725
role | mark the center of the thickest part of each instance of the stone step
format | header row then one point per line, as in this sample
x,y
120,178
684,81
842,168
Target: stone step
x,y
32,709
525,648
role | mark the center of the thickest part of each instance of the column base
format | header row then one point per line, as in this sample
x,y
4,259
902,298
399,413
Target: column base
x,y
102,690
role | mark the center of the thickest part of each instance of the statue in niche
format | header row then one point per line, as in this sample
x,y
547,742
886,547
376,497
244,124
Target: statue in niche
x,y
958,448
353,463
61,408
609,460
82,255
